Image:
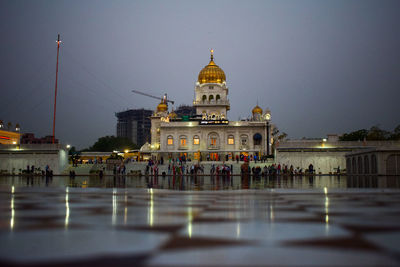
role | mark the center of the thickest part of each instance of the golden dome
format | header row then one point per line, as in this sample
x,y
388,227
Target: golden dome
x,y
173,115
162,107
257,109
212,73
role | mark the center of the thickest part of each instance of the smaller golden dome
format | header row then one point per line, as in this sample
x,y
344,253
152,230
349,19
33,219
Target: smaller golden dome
x,y
257,110
173,115
162,107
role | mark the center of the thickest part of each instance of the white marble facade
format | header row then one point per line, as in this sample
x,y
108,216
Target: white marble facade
x,y
211,132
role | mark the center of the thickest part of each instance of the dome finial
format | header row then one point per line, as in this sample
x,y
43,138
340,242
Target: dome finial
x,y
212,54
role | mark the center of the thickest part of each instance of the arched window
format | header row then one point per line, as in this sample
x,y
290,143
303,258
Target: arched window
x,y
213,140
182,140
170,140
373,164
257,139
348,165
196,140
244,140
231,140
360,165
204,98
393,164
211,97
366,164
217,97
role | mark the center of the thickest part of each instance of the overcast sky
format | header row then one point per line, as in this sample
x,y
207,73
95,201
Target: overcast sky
x,y
321,66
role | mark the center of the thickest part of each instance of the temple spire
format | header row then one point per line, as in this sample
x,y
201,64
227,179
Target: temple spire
x,y
212,54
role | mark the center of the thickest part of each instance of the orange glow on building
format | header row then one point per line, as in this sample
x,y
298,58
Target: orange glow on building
x,y
9,138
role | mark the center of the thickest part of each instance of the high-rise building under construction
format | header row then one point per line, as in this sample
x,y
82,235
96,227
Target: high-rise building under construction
x,y
135,125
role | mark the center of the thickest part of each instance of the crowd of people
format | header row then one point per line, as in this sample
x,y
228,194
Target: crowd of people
x,y
31,170
277,169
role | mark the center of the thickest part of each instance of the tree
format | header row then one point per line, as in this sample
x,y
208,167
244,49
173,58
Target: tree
x,y
377,134
73,151
396,134
111,143
354,136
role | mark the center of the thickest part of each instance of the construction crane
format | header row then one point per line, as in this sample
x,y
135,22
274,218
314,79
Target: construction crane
x,y
164,98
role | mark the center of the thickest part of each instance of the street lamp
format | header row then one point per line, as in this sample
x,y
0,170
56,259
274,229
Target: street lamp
x,y
68,146
268,118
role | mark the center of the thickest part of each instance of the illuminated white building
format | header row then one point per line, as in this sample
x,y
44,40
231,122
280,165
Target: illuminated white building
x,y
210,134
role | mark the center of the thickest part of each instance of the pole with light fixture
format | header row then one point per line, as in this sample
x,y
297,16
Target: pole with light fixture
x,y
55,94
268,118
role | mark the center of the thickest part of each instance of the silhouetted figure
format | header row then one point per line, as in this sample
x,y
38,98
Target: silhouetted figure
x,y
310,169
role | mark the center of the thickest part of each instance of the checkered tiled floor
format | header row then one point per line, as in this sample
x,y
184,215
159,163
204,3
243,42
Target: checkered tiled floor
x,y
97,227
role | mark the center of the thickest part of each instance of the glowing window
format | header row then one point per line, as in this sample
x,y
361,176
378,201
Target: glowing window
x,y
170,140
213,141
183,141
231,140
196,140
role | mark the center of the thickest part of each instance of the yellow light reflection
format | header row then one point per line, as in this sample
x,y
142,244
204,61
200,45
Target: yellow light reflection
x,y
326,210
12,208
151,209
190,219
271,212
126,209
238,230
114,205
66,207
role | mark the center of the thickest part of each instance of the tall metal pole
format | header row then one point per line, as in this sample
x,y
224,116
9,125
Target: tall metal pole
x,y
267,138
55,95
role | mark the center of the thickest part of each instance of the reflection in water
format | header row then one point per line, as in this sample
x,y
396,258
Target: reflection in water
x,y
216,182
271,211
190,217
326,210
66,207
12,208
114,206
126,208
151,208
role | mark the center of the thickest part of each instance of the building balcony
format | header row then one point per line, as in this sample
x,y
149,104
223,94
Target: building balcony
x,y
211,102
211,147
183,147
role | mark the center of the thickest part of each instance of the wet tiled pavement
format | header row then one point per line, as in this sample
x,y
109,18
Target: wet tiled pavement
x,y
155,227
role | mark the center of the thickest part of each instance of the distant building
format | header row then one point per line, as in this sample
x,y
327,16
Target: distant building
x,y
353,157
9,135
29,138
135,125
375,161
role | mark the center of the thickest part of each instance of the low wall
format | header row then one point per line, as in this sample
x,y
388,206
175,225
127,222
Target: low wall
x,y
12,159
323,162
